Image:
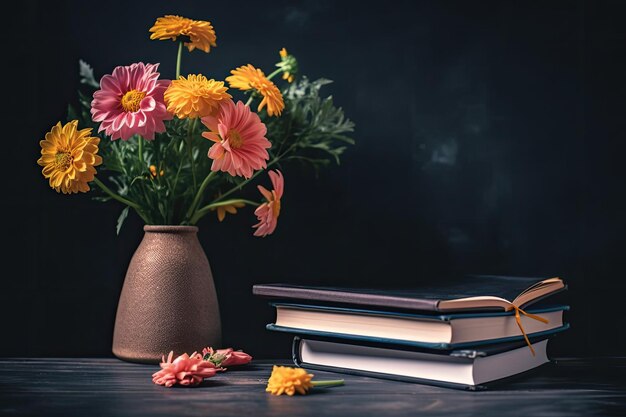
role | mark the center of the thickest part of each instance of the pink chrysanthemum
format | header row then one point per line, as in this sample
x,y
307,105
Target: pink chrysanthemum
x,y
185,370
239,136
226,357
268,212
130,102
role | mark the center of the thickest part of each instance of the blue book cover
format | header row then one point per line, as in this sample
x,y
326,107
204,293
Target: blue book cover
x,y
419,317
373,362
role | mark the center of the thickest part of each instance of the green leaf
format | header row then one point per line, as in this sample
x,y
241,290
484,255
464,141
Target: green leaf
x,y
120,220
86,74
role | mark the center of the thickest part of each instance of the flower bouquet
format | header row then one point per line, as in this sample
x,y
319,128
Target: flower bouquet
x,y
189,146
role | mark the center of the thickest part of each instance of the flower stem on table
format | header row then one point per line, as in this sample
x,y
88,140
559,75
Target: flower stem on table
x,y
329,383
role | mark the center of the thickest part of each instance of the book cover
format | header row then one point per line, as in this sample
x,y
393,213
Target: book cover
x,y
493,292
441,330
472,369
418,345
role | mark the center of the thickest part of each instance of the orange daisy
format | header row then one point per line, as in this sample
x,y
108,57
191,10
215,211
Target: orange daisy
x,y
200,33
248,77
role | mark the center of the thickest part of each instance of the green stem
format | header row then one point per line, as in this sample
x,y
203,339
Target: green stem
x,y
140,149
179,58
199,194
119,198
204,210
250,99
331,383
275,73
190,128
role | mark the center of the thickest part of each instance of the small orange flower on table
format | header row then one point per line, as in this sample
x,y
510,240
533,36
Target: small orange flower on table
x,y
287,380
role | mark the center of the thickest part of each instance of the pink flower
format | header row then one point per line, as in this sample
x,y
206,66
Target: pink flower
x,y
130,102
225,357
185,370
268,212
239,136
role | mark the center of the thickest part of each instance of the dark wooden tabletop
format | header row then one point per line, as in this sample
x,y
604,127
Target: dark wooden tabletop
x,y
109,387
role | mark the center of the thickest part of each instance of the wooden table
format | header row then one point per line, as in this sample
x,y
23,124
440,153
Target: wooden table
x,y
109,387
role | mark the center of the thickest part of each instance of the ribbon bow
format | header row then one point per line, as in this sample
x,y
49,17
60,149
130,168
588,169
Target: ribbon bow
x,y
519,322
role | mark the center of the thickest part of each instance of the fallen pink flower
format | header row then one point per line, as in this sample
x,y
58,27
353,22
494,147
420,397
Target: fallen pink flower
x,y
185,370
225,357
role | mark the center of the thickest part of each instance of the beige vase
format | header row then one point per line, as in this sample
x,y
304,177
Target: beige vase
x,y
168,300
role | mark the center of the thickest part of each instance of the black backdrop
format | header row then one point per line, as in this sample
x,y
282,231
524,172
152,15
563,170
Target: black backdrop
x,y
490,140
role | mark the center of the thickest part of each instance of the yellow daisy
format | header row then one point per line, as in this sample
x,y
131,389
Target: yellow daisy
x,y
248,77
195,96
68,158
286,380
200,34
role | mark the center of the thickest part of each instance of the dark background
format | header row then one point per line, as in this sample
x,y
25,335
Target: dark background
x,y
490,139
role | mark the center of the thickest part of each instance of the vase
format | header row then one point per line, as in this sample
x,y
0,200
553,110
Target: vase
x,y
168,301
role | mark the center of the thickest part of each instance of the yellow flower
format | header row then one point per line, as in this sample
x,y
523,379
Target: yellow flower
x,y
286,380
153,171
288,65
68,158
194,96
249,77
230,208
200,34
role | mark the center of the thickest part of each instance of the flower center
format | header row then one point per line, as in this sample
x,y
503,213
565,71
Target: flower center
x,y
132,100
62,161
276,208
234,139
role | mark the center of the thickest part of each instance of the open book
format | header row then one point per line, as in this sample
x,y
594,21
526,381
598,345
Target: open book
x,y
474,292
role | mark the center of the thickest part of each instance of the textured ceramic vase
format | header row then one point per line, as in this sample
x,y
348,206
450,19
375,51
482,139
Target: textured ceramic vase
x,y
168,301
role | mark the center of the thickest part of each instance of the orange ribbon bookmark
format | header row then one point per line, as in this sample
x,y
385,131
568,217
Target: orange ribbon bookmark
x,y
519,322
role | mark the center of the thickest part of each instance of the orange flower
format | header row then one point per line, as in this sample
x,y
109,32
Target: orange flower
x,y
69,157
153,171
200,33
229,208
195,96
250,78
286,380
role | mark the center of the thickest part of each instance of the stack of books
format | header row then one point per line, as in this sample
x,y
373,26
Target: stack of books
x,y
460,335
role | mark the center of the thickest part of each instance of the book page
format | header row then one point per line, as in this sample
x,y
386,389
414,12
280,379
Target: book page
x,y
531,293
